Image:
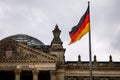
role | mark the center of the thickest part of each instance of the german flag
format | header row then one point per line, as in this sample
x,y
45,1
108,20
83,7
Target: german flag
x,y
81,28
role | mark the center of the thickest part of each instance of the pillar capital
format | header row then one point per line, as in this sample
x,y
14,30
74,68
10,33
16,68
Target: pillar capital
x,y
17,71
35,71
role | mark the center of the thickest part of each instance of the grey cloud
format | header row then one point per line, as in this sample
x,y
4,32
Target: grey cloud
x,y
38,18
116,43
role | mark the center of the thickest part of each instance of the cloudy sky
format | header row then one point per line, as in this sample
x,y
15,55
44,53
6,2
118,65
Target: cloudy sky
x,y
38,18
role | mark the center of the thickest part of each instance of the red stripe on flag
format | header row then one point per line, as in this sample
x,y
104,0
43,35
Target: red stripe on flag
x,y
81,28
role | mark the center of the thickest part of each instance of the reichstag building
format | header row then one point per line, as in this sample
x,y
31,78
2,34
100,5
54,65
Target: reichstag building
x,y
23,57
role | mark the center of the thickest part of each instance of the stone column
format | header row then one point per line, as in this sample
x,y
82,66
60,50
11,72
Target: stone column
x,y
35,74
60,75
53,75
17,74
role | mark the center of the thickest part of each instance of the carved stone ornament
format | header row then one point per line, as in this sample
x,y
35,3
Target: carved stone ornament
x,y
8,54
13,51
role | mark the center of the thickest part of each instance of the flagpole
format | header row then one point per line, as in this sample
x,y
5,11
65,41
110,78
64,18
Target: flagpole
x,y
90,54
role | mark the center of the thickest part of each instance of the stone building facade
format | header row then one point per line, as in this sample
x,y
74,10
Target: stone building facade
x,y
23,57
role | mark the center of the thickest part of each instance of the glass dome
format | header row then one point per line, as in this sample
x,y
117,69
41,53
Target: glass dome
x,y
28,40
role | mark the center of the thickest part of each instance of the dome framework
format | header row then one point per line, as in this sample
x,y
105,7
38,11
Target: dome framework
x,y
28,40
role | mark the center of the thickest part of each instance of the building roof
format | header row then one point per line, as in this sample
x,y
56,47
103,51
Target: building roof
x,y
28,40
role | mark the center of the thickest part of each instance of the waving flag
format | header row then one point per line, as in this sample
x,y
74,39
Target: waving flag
x,y
81,28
